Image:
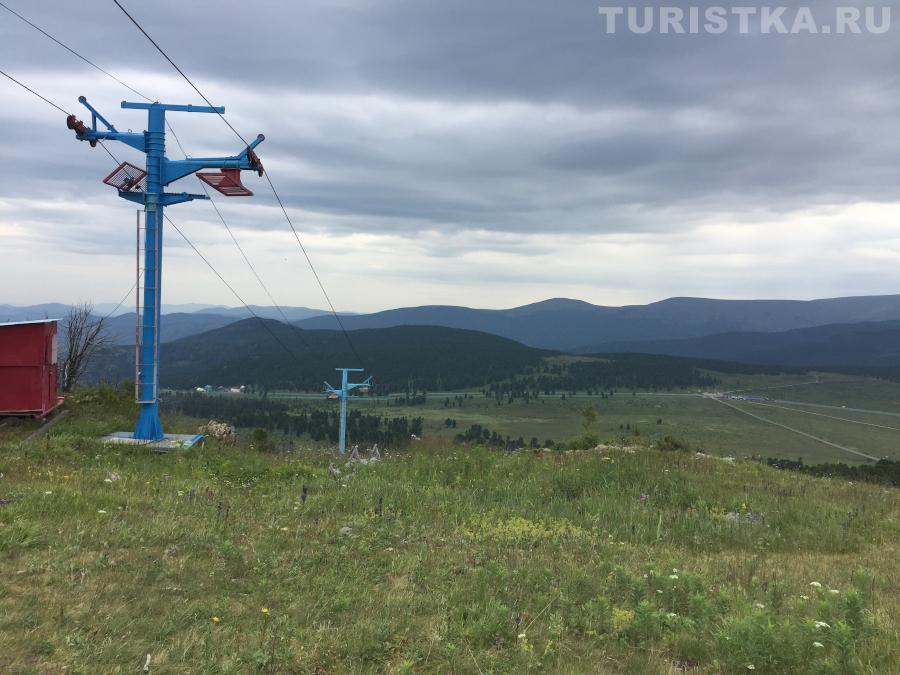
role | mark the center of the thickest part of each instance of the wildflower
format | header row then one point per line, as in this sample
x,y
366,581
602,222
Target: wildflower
x,y
759,605
659,590
100,511
264,610
818,645
671,615
284,529
49,492
642,498
113,477
107,480
750,666
673,576
216,619
834,591
815,584
822,624
804,597
521,636
65,477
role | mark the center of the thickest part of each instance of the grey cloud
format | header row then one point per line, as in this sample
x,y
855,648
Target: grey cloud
x,y
509,116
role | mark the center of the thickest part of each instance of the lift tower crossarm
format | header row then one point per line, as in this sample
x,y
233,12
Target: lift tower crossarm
x,y
245,161
171,170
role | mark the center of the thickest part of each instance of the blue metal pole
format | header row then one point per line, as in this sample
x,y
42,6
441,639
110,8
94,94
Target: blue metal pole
x,y
149,425
344,393
160,172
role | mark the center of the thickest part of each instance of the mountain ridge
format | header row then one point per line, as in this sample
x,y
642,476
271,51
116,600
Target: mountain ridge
x,y
563,324
568,325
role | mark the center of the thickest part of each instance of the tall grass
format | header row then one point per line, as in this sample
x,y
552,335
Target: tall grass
x,y
479,561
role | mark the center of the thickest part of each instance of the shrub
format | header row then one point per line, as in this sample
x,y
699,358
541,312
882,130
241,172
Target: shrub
x,y
671,444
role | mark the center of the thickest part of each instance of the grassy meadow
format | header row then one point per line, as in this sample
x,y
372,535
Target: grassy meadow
x,y
705,424
438,559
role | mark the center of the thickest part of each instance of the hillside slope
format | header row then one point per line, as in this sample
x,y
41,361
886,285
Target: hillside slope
x,y
869,345
623,559
120,328
245,352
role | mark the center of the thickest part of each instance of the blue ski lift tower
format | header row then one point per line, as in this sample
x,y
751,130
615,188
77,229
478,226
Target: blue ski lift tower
x,y
333,393
145,187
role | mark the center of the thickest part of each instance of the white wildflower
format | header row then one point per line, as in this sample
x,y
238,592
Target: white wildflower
x,y
822,624
673,576
100,511
833,591
818,645
750,666
815,584
804,597
759,605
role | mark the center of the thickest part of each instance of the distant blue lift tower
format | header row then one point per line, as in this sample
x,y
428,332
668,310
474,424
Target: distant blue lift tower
x,y
344,395
146,188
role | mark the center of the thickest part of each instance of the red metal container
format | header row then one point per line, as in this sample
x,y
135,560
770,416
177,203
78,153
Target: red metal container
x,y
28,368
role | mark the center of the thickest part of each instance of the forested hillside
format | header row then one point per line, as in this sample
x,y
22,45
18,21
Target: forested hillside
x,y
402,359
278,356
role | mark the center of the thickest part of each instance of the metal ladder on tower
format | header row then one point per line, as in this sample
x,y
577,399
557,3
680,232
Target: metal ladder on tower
x,y
145,329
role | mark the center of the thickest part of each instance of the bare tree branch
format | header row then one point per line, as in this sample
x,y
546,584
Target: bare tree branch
x,y
84,335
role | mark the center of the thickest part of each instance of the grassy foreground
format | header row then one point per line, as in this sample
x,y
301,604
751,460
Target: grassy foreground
x,y
613,560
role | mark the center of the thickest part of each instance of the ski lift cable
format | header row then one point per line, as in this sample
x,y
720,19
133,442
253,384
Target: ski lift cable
x,y
268,178
69,49
172,223
27,88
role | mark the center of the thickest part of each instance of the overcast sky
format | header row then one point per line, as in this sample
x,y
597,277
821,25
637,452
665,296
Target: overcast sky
x,y
487,153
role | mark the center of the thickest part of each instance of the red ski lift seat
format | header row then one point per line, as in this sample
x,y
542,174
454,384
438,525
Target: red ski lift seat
x,y
226,181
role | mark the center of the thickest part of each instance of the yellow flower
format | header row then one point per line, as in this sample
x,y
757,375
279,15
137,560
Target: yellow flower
x,y
216,619
264,610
